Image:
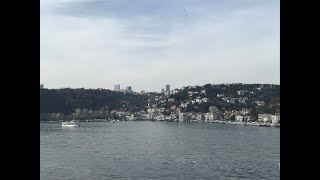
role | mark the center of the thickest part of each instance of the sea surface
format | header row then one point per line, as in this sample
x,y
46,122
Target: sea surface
x,y
158,150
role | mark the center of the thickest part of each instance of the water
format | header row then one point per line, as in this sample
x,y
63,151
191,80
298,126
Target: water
x,y
158,150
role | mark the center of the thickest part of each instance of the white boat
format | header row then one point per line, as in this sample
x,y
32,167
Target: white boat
x,y
252,124
275,125
264,124
72,123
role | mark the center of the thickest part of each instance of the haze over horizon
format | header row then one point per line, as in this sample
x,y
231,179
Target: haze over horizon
x,y
148,44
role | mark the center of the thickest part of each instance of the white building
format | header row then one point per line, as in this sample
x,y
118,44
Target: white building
x,y
239,118
210,117
260,103
232,101
242,92
152,110
242,101
183,117
175,91
247,118
275,118
184,105
200,117
198,100
220,95
225,99
167,93
149,116
264,117
163,101
245,111
160,117
173,116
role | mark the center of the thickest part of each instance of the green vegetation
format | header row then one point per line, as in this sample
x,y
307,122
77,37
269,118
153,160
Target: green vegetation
x,y
84,104
269,94
66,101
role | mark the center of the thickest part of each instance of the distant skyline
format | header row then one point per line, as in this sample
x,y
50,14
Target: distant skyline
x,y
149,44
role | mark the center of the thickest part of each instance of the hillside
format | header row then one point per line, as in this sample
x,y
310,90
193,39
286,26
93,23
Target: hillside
x,y
66,101
100,103
260,98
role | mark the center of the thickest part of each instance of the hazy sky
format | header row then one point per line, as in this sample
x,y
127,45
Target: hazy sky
x,y
150,43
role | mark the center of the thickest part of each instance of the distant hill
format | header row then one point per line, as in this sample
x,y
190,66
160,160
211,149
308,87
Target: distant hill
x,y
67,100
257,98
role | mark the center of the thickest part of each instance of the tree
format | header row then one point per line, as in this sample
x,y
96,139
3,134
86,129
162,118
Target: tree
x,y
254,114
232,117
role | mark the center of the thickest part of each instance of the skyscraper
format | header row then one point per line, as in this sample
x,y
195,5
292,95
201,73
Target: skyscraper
x,y
129,89
167,87
117,87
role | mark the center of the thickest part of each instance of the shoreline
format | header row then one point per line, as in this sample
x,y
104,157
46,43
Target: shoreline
x,y
192,121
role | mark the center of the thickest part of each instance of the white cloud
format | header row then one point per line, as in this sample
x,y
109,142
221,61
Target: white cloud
x,y
80,51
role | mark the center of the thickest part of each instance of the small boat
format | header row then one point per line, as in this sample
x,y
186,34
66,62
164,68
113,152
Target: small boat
x,y
72,123
275,125
264,124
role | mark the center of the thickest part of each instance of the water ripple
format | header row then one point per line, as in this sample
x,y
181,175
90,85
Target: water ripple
x,y
158,150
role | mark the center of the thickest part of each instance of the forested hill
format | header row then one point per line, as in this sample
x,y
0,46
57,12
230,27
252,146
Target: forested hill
x,y
67,100
258,98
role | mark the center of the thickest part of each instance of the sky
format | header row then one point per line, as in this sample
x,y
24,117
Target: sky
x,y
147,44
